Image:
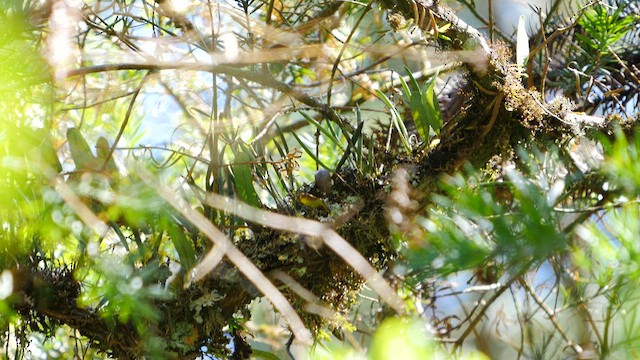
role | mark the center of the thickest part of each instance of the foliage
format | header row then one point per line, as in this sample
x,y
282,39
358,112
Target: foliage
x,y
317,179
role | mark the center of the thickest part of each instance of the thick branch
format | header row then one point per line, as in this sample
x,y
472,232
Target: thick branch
x,y
480,131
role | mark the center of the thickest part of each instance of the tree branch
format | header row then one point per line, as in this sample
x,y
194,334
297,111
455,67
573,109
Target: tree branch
x,y
249,75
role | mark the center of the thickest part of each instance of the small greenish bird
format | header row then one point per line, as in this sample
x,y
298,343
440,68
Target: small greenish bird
x,y
46,152
102,150
81,152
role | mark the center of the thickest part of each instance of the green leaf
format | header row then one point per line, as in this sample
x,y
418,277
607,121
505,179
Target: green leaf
x,y
433,115
322,129
425,109
359,139
405,87
396,120
419,113
283,139
310,152
418,104
183,246
261,354
121,236
282,153
243,178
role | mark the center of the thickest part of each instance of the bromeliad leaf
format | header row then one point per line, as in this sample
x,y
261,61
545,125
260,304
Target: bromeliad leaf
x,y
434,118
183,246
425,109
396,120
243,177
309,151
419,112
326,131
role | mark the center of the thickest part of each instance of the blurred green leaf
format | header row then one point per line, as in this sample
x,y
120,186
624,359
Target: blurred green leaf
x,y
623,161
261,354
309,152
403,338
243,177
603,29
128,293
472,222
323,130
183,245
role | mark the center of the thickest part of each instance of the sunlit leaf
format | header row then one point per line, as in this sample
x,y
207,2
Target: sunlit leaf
x,y
403,338
243,178
425,109
396,121
321,128
309,152
434,118
183,246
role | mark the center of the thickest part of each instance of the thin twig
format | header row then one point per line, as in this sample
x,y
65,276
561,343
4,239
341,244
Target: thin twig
x,y
491,28
126,120
483,311
253,76
551,315
469,5
547,61
520,323
343,49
